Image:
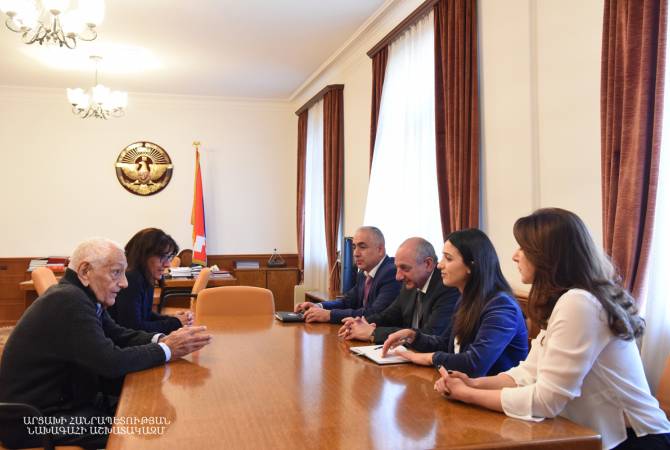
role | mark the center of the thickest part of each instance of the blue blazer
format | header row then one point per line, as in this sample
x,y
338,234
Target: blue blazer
x,y
132,308
500,343
383,291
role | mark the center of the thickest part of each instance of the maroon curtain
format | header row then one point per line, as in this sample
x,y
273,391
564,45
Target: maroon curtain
x,y
457,113
300,202
333,170
631,106
378,72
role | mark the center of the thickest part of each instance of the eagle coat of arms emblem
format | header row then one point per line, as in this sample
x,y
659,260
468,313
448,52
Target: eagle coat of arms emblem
x,y
144,168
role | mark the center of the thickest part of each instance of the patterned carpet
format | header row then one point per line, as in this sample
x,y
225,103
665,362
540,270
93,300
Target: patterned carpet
x,y
4,334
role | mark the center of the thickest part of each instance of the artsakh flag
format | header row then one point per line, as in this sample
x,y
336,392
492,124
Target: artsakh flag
x,y
198,218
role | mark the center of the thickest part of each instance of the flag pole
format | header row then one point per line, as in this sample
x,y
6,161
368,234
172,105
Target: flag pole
x,y
198,214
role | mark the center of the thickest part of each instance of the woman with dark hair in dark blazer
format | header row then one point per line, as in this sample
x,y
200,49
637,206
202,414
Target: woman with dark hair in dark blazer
x,y
149,253
489,333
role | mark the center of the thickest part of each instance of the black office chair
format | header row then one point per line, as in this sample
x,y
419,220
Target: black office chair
x,y
14,429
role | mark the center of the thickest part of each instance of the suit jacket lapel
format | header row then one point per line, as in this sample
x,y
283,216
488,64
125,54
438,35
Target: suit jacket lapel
x,y
431,292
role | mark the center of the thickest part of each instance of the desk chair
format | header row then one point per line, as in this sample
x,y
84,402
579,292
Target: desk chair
x,y
43,279
186,257
234,301
663,390
199,284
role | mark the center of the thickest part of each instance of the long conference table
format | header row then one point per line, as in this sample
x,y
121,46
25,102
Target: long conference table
x,y
263,384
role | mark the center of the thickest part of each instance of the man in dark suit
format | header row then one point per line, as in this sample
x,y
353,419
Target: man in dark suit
x,y
66,343
375,288
424,302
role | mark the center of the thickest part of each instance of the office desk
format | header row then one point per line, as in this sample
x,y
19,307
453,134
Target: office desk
x,y
264,384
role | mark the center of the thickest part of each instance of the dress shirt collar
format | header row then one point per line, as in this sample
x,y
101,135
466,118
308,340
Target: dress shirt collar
x,y
424,289
374,270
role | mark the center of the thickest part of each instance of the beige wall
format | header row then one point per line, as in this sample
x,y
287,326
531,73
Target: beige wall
x,y
539,78
59,184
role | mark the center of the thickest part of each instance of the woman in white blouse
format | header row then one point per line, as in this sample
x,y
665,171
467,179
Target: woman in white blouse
x,y
584,364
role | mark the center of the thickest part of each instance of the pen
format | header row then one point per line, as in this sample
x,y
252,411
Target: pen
x,y
378,347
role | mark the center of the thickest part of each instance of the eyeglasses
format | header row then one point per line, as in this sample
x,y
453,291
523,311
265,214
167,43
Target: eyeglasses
x,y
167,258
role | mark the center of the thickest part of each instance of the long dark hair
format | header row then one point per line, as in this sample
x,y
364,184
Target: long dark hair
x,y
558,244
145,244
485,282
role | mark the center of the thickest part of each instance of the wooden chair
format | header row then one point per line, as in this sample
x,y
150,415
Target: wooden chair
x,y
43,279
234,301
199,285
663,390
186,257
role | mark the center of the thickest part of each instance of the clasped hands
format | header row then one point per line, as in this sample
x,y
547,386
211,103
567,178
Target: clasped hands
x,y
453,384
185,317
356,328
186,340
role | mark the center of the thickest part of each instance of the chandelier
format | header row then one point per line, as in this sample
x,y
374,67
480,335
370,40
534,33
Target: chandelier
x,y
101,102
53,21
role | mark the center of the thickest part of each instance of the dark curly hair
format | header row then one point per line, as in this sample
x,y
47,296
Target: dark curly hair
x,y
560,247
145,244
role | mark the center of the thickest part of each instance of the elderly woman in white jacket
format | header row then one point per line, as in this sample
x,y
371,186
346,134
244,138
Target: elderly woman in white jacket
x,y
584,364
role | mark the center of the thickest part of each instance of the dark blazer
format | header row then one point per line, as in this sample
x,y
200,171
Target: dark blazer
x,y
383,291
54,357
133,307
438,306
500,343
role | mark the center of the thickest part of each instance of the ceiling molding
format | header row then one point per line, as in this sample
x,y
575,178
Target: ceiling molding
x,y
363,29
142,97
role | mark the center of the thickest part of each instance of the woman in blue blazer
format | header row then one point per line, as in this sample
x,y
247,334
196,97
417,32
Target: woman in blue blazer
x,y
149,253
489,332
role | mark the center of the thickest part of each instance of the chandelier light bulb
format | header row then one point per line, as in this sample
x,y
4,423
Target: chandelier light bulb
x,y
101,102
56,6
92,11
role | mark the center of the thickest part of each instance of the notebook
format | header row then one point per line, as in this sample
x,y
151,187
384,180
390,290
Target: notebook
x,y
374,352
289,316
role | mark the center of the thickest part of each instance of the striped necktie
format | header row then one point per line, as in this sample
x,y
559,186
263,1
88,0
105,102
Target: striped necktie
x,y
366,289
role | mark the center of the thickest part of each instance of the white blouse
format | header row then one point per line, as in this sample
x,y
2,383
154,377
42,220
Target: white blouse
x,y
577,368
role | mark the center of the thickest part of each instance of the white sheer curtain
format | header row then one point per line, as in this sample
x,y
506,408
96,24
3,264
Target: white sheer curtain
x,y
656,339
316,262
402,195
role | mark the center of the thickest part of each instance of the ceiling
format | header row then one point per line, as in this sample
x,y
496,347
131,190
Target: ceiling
x,y
228,48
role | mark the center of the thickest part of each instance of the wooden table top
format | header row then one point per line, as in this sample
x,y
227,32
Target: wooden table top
x,y
265,384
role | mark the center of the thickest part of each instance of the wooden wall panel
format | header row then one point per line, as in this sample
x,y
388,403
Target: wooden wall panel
x,y
227,262
12,272
282,282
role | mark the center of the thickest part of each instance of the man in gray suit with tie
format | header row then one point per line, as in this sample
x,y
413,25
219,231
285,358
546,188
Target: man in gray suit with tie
x,y
423,303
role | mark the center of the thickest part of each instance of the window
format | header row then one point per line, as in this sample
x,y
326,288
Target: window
x,y
402,195
316,261
656,339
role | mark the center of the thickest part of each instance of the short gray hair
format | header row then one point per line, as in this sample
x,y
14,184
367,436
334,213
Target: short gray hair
x,y
95,251
376,233
422,249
